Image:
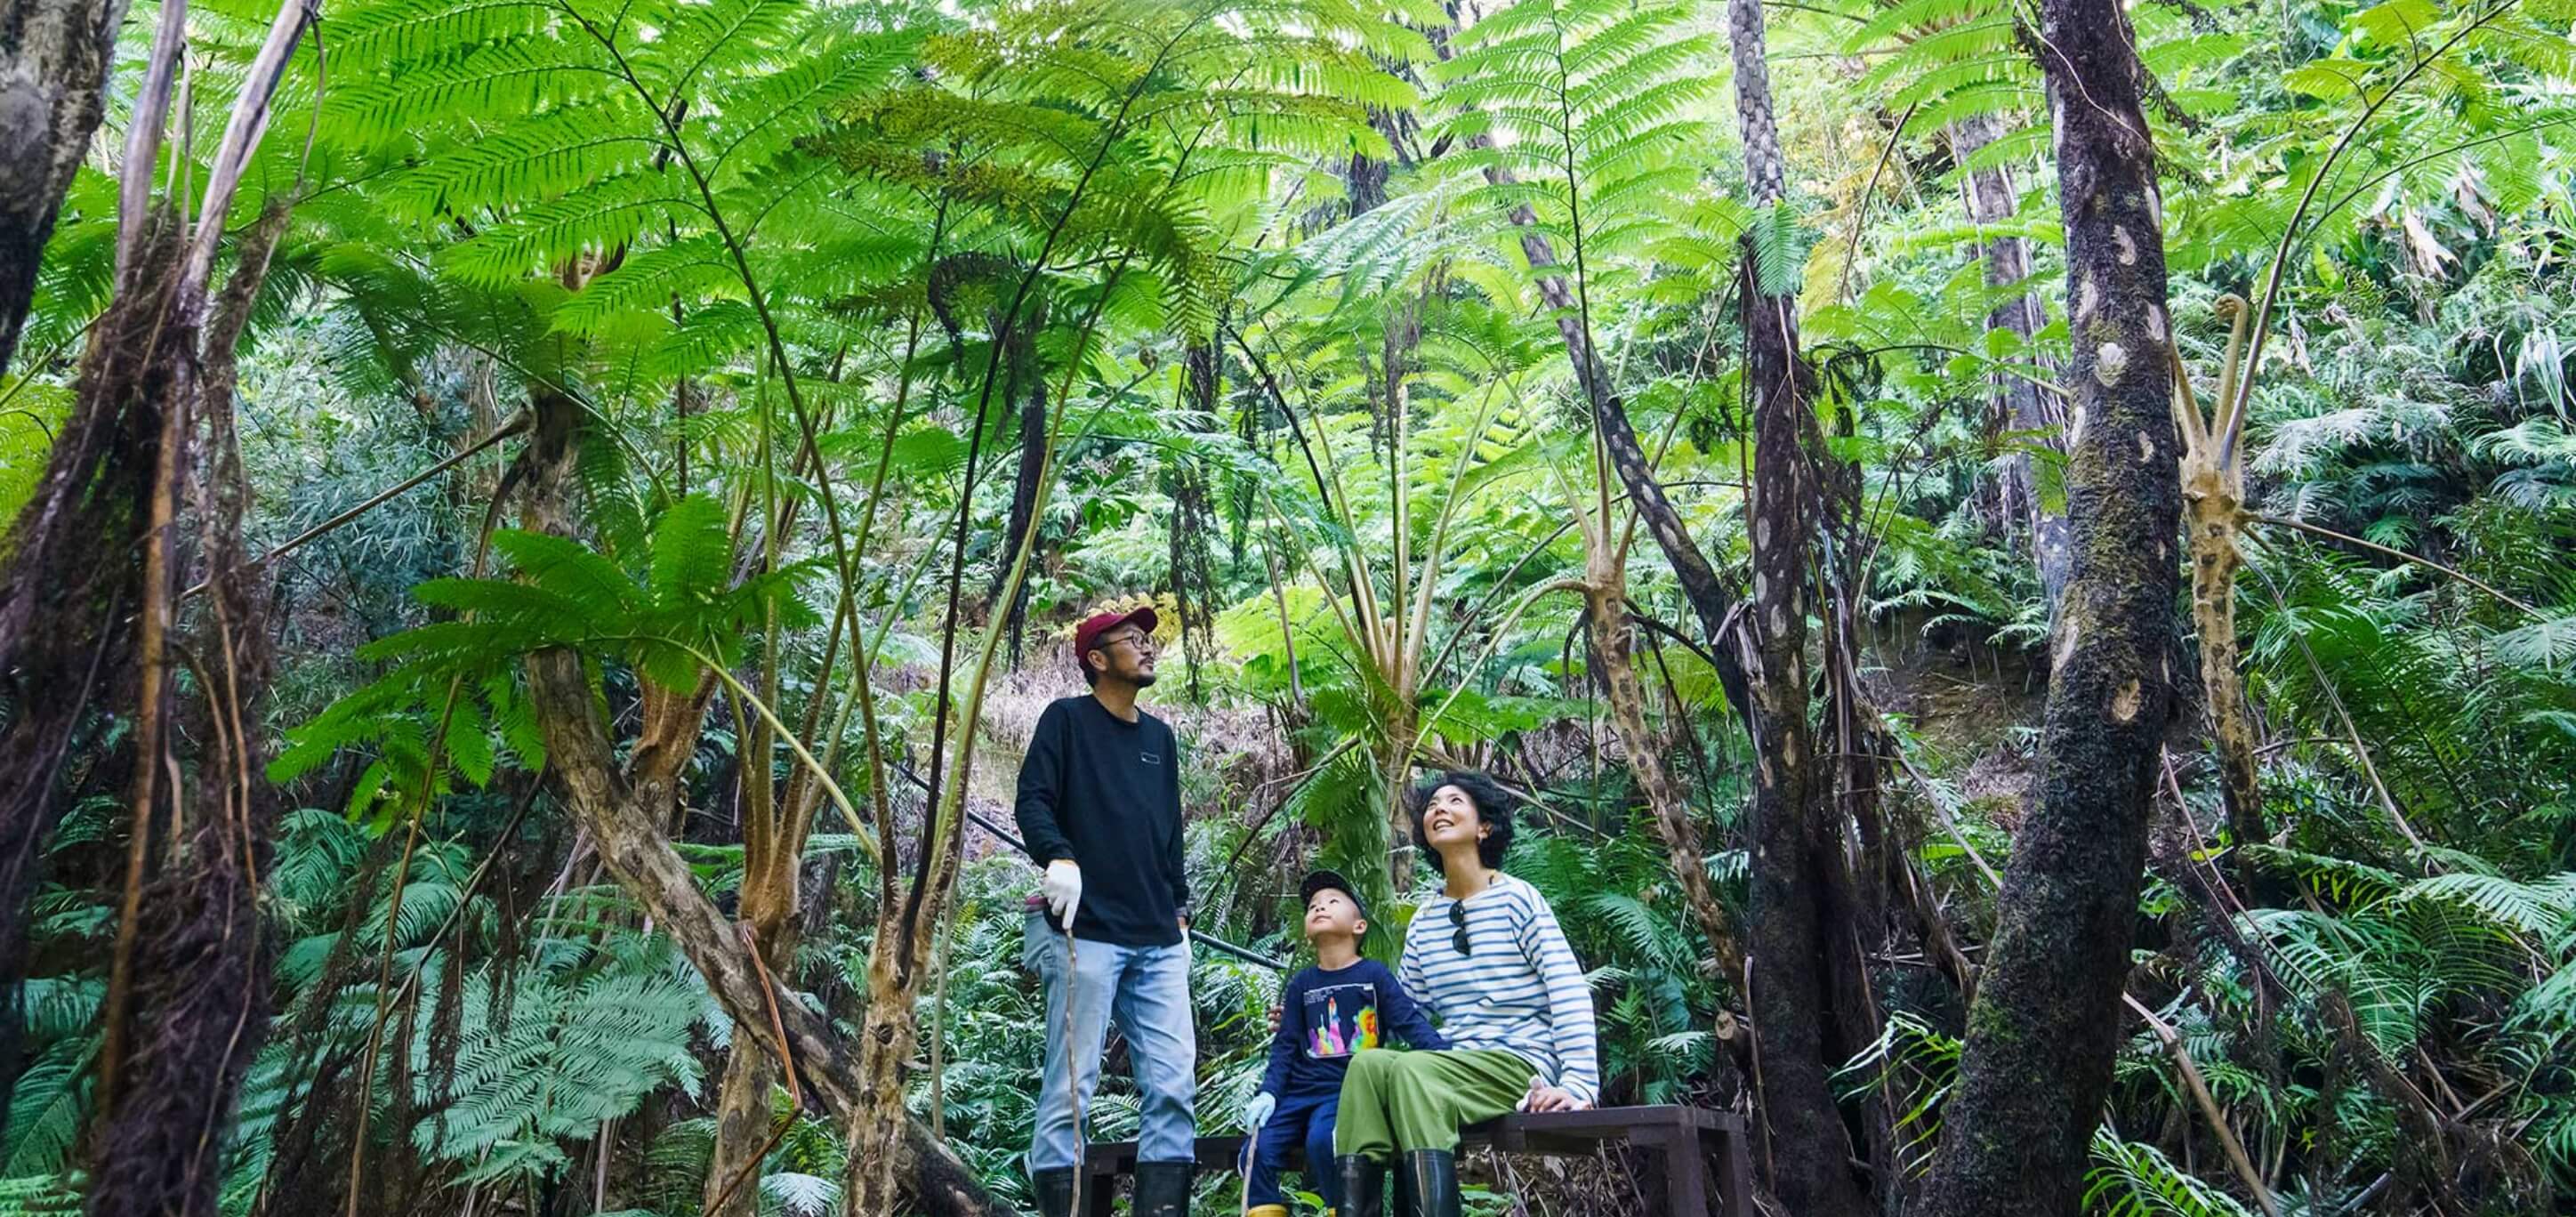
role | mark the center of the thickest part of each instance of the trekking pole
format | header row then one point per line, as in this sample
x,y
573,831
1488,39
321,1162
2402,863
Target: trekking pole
x,y
1073,1075
1243,1163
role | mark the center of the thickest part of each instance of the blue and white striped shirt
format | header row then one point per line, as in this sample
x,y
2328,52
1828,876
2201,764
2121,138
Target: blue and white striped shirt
x,y
1518,988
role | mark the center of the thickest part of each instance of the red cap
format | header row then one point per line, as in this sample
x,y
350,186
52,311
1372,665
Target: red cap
x,y
1087,635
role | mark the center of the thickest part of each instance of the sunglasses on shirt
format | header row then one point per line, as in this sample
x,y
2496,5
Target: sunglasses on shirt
x,y
1458,920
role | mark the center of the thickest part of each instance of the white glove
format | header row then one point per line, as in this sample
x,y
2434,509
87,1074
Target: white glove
x,y
1063,889
1256,1114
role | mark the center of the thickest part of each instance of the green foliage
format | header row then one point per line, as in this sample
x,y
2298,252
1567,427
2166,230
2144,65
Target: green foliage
x,y
1278,261
553,1049
450,687
2131,1179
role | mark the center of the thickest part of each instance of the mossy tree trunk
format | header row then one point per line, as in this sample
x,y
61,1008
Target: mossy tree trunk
x,y
53,87
2046,1021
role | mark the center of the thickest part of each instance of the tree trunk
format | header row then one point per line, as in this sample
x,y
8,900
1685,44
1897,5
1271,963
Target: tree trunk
x,y
2046,1022
624,810
67,620
1395,747
887,1036
1025,384
203,951
1801,881
2020,509
1709,599
768,907
54,68
1606,614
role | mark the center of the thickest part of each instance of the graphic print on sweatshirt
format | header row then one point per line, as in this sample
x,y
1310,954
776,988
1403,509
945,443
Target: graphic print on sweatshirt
x,y
1341,1020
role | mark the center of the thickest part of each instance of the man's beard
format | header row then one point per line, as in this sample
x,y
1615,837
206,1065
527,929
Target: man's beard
x,y
1141,679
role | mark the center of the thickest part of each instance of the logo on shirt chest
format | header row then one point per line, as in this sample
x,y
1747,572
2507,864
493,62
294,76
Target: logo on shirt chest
x,y
1341,1020
1150,758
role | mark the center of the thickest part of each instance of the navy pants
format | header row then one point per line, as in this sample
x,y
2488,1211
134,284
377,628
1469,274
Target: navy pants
x,y
1307,1121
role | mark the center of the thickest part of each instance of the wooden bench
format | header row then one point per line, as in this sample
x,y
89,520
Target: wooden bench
x,y
1681,1139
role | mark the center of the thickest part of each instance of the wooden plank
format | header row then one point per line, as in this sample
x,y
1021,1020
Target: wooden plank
x,y
1685,1173
1735,1171
1680,1139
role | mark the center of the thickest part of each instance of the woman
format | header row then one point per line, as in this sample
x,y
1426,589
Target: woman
x,y
1486,958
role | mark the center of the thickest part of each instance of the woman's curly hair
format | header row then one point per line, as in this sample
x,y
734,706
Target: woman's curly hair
x,y
1493,809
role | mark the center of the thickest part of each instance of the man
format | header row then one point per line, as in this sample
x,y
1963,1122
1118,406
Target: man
x,y
1100,809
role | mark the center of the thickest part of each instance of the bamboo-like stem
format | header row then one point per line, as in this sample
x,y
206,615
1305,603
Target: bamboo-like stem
x,y
2208,1104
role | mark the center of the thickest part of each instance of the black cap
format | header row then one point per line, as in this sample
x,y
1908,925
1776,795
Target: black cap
x,y
1326,880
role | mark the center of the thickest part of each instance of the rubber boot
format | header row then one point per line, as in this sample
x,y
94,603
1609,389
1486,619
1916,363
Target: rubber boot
x,y
1363,1186
1163,1189
1055,1191
1430,1178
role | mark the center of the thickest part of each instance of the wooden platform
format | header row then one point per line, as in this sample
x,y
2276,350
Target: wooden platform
x,y
1693,1149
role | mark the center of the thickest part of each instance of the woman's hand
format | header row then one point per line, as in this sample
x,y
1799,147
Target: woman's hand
x,y
1543,1097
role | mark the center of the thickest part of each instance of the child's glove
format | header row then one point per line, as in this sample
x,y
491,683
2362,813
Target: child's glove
x,y
1256,1114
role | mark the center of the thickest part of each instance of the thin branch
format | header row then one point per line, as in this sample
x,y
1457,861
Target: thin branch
x,y
516,424
2402,556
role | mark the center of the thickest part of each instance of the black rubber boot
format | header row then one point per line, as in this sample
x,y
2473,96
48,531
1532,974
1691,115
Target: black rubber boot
x,y
1363,1186
1163,1189
1055,1191
1430,1178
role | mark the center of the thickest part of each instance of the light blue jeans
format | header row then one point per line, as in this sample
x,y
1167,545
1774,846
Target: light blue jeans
x,y
1147,991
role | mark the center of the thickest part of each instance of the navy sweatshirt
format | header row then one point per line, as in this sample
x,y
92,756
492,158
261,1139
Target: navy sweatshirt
x,y
1106,793
1325,1017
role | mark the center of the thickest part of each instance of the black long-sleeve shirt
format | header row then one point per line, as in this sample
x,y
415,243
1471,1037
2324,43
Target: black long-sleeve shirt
x,y
1106,793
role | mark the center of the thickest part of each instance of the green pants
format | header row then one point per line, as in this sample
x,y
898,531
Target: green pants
x,y
1396,1102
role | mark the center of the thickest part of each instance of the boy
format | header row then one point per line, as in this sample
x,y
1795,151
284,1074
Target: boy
x,y
1328,1013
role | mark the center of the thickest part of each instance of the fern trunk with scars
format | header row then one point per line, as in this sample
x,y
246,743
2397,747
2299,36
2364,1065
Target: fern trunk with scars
x,y
1605,604
1709,601
1715,608
1024,386
2213,502
1800,877
53,88
2041,1036
624,808
2021,511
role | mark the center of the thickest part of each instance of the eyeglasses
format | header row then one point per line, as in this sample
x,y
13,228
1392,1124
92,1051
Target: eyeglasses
x,y
1144,643
1458,919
